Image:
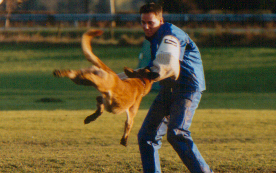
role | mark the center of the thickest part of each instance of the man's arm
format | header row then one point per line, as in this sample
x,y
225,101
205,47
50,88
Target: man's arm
x,y
166,63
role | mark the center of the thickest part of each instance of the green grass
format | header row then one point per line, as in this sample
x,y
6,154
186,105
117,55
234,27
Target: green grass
x,y
240,69
24,58
234,127
58,141
236,78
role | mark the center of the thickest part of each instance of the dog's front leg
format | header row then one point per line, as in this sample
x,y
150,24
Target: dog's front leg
x,y
128,126
98,112
131,113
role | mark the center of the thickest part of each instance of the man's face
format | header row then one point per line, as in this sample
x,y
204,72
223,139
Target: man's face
x,y
150,23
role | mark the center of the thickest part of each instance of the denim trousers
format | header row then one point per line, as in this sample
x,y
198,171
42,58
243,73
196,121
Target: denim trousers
x,y
171,113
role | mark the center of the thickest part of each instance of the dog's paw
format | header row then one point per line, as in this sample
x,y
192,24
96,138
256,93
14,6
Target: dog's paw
x,y
123,142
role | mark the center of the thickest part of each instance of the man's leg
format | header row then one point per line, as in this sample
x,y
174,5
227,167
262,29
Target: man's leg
x,y
179,136
152,131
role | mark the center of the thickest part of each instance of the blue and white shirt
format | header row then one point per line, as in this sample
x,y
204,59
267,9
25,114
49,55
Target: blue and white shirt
x,y
191,75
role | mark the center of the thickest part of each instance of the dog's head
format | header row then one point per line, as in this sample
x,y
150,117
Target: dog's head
x,y
141,73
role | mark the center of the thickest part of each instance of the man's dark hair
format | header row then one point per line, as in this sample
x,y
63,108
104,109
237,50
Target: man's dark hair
x,y
152,8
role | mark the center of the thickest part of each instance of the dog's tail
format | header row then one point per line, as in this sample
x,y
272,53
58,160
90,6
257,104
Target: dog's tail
x,y
87,49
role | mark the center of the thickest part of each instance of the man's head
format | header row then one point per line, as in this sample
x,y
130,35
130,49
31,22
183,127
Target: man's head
x,y
151,18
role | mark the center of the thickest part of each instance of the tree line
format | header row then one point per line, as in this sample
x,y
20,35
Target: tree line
x,y
204,6
169,6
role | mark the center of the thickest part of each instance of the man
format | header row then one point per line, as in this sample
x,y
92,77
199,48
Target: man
x,y
177,60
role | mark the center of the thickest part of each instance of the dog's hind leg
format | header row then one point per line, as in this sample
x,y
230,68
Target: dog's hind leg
x,y
77,76
66,73
97,113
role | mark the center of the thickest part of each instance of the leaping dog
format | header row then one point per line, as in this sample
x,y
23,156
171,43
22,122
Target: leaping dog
x,y
117,95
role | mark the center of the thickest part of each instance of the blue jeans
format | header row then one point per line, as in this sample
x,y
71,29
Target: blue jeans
x,y
171,113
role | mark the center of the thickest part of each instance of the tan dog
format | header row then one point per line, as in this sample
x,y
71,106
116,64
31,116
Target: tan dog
x,y
117,95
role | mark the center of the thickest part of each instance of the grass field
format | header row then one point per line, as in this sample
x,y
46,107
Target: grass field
x,y
58,141
236,78
234,126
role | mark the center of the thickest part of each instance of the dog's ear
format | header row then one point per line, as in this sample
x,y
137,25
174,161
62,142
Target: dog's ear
x,y
129,72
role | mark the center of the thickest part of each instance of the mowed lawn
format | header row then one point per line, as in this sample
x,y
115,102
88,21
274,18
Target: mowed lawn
x,y
42,130
236,78
58,141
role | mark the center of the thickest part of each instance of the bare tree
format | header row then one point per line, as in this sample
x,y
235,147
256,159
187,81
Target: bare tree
x,y
11,5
